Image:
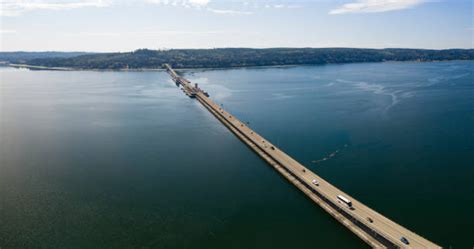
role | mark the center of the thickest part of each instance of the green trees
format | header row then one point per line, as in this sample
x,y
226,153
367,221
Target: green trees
x,y
239,57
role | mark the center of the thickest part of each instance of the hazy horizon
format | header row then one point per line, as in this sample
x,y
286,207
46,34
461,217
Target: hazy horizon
x,y
82,51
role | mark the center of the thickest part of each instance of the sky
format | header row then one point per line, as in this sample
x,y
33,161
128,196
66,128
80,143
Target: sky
x,y
126,25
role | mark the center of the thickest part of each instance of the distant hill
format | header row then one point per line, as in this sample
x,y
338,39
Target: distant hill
x,y
22,57
244,57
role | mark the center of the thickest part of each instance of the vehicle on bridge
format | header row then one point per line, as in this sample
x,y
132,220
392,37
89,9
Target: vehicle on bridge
x,y
346,201
404,240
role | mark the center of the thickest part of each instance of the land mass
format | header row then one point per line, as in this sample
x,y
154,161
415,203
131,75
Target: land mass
x,y
230,57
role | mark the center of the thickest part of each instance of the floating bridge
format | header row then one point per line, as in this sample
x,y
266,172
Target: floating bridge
x,y
375,229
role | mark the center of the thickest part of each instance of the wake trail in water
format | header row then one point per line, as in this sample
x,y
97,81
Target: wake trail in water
x,y
443,78
329,156
377,89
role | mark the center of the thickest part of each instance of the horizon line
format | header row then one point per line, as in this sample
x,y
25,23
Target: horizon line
x,y
257,48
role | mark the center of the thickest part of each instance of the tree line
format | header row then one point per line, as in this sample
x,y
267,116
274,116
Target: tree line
x,y
245,57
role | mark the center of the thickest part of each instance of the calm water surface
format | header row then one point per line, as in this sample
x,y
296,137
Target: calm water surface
x,y
125,160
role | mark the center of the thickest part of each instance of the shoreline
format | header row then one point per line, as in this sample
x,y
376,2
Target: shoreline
x,y
32,67
45,68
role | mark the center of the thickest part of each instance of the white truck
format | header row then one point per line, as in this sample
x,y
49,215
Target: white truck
x,y
344,200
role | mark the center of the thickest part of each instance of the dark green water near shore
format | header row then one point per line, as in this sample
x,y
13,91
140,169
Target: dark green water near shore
x,y
125,160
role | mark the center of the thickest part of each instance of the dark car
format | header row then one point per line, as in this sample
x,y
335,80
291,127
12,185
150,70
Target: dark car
x,y
404,240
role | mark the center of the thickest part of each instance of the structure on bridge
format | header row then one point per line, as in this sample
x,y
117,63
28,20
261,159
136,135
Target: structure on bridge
x,y
372,227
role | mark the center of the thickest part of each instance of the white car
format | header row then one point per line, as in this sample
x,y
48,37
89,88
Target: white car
x,y
315,182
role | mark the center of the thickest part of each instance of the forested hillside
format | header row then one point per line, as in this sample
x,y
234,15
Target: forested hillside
x,y
241,57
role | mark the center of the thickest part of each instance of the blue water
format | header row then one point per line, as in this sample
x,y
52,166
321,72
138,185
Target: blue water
x,y
125,160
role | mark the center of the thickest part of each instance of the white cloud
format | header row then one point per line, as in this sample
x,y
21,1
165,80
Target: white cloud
x,y
229,12
154,33
371,6
277,6
185,3
7,31
281,6
199,2
17,7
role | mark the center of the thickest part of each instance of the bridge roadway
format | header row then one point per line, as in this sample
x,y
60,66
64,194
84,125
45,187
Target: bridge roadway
x,y
378,232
